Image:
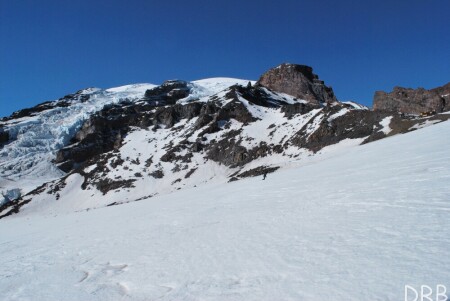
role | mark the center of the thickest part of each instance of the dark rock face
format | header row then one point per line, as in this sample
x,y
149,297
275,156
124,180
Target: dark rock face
x,y
103,132
228,151
168,93
79,95
352,125
105,185
36,109
255,95
168,116
413,101
298,108
62,102
444,92
4,136
254,172
298,81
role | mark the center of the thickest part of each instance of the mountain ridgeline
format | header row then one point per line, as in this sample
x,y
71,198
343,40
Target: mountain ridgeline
x,y
92,148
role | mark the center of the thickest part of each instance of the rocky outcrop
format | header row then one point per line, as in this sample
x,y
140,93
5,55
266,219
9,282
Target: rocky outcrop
x,y
413,101
298,81
168,93
444,92
352,125
291,110
36,109
168,116
105,130
101,133
47,105
254,172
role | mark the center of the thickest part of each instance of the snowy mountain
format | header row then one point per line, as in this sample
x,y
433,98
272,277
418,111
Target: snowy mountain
x,y
358,225
31,138
98,148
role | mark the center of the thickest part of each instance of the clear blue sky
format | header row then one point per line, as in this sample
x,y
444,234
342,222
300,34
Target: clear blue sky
x,y
52,48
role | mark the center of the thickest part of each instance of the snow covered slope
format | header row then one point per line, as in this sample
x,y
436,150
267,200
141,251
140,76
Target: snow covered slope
x,y
36,134
226,136
99,148
26,161
357,226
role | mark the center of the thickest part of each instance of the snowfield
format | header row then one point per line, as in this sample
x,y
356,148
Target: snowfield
x,y
359,225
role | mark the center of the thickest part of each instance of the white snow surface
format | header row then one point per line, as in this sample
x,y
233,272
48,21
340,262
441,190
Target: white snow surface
x,y
203,88
342,112
356,226
356,105
423,124
386,129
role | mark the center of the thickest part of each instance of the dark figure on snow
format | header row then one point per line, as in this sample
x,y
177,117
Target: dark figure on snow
x,y
264,175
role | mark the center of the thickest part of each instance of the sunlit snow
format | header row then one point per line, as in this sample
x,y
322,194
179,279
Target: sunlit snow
x,y
359,225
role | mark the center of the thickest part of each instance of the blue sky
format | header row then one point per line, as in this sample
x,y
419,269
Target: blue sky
x,y
52,48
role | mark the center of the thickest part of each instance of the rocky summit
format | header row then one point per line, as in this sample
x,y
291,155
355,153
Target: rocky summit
x,y
93,148
298,81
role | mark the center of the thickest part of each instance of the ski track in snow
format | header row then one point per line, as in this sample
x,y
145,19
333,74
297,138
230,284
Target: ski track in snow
x,y
358,226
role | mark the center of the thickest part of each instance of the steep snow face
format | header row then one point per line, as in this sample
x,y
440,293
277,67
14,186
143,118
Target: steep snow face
x,y
358,226
26,161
